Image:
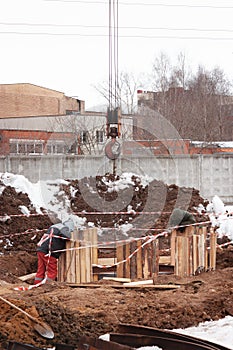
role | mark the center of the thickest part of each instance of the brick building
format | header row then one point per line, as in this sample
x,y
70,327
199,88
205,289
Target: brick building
x,y
37,120
23,100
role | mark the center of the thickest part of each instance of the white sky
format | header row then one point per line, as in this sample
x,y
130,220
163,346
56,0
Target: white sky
x,y
60,44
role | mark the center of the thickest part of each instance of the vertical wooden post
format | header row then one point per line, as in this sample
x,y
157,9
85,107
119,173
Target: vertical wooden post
x,y
127,264
201,251
173,247
195,244
146,272
62,268
182,256
139,260
155,266
120,257
70,260
133,260
94,252
212,252
78,263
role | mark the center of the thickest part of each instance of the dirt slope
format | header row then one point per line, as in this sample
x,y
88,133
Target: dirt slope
x,y
72,312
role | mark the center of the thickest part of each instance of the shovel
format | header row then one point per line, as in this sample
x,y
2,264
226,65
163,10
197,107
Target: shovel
x,y
41,327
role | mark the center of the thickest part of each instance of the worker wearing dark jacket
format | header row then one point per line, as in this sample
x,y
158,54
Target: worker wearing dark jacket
x,y
48,250
181,218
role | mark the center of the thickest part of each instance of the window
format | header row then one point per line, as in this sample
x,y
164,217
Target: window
x,y
99,136
19,146
13,148
84,136
56,147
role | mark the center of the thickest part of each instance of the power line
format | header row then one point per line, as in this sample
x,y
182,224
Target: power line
x,y
122,27
122,36
144,4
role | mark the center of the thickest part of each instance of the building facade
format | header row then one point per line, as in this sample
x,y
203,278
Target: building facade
x,y
36,120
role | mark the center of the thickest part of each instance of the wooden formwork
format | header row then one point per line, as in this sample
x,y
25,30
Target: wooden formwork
x,y
193,251
75,266
190,252
142,264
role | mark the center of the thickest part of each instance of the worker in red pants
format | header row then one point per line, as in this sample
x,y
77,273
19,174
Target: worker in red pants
x,y
48,250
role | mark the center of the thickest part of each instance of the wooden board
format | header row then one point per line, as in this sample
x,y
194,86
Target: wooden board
x,y
27,277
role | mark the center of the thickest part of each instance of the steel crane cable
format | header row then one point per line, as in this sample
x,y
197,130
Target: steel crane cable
x,y
110,57
116,51
113,53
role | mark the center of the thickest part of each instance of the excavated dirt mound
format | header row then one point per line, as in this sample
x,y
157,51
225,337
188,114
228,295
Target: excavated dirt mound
x,y
92,311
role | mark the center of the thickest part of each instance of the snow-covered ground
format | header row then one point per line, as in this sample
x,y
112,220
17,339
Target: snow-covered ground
x,y
218,332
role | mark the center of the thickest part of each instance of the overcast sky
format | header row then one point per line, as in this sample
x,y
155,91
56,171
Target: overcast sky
x,y
63,44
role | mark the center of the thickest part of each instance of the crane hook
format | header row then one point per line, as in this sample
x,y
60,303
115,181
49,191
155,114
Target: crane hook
x,y
112,149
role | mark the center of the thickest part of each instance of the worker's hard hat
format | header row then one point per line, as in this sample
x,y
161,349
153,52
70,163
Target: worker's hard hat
x,y
70,224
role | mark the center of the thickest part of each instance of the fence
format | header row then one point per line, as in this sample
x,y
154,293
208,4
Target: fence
x,y
210,174
75,266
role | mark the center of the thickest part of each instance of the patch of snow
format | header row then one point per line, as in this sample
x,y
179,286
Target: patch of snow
x,y
24,210
125,228
219,332
218,205
4,218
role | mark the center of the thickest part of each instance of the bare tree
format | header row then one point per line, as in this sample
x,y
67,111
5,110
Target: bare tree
x,y
85,134
127,92
208,90
192,102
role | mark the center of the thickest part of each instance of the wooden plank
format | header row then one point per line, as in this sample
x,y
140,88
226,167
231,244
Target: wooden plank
x,y
121,286
190,256
127,264
87,257
149,282
146,273
73,264
139,259
133,260
212,252
173,247
77,263
27,277
182,256
117,279
82,254
189,231
94,253
186,256
106,261
201,251
120,257
165,260
149,257
68,261
195,239
179,257
62,268
155,259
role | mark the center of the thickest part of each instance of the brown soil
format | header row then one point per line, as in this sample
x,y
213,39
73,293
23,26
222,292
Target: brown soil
x,y
92,311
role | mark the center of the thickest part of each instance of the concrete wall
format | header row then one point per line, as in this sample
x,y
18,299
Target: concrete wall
x,y
211,174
